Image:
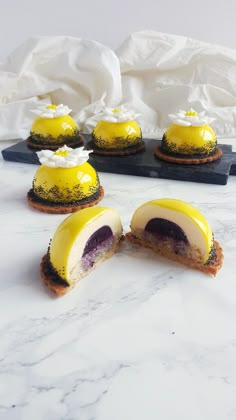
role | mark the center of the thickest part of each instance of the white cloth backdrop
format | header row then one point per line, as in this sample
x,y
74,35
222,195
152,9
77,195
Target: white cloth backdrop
x,y
162,73
54,69
155,73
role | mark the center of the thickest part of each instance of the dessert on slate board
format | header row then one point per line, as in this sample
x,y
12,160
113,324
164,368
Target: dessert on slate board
x,y
178,231
65,182
117,133
189,139
53,128
82,240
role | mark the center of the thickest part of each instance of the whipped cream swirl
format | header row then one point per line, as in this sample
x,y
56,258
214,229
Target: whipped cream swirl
x,y
52,111
190,118
64,157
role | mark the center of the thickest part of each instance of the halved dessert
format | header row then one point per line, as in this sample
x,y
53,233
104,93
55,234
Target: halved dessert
x,y
54,128
189,140
178,231
65,182
81,241
117,133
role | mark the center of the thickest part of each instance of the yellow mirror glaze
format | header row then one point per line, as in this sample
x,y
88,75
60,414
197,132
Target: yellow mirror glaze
x,y
184,140
191,212
111,135
65,185
66,234
54,127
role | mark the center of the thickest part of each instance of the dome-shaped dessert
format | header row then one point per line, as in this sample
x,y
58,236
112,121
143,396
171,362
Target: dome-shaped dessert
x,y
81,241
54,128
189,140
65,182
178,231
117,133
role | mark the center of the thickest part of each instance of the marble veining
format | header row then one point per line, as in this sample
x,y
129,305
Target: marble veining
x,y
140,338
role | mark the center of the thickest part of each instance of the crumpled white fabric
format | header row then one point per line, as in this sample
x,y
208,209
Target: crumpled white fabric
x,y
162,73
65,70
155,74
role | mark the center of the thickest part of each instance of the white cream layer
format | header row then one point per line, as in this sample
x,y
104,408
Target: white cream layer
x,y
110,218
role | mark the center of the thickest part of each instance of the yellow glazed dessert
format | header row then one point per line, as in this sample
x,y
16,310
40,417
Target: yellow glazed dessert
x,y
190,139
117,133
81,241
178,231
53,128
65,181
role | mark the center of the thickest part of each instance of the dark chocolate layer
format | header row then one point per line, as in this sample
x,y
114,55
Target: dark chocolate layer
x,y
197,152
86,200
117,149
38,139
51,273
212,256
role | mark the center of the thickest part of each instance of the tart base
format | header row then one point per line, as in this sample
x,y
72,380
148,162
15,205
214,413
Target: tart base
x,y
60,289
59,208
117,152
187,161
76,142
210,268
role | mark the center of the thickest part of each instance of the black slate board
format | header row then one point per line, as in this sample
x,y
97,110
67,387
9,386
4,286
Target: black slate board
x,y
145,164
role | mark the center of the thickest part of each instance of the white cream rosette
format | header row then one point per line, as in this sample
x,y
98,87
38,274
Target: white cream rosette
x,y
48,111
190,118
64,157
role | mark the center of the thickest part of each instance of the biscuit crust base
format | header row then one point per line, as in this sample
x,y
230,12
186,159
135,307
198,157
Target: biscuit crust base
x,y
210,268
76,142
48,276
117,152
63,209
187,161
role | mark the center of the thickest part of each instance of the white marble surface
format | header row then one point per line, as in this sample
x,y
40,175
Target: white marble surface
x,y
140,338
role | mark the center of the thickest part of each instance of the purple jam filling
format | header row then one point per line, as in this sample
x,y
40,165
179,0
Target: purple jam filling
x,y
96,238
98,243
164,229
